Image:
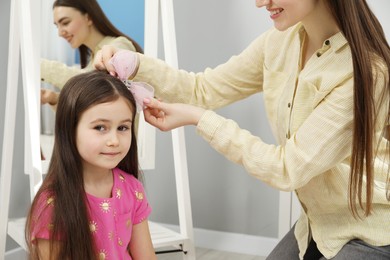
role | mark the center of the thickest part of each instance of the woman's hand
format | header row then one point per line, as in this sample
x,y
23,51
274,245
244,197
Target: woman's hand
x,y
103,57
125,59
166,116
49,97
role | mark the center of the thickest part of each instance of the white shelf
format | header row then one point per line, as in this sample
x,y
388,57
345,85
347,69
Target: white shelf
x,y
16,231
163,237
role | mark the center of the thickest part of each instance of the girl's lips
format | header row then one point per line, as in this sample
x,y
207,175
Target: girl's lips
x,y
111,154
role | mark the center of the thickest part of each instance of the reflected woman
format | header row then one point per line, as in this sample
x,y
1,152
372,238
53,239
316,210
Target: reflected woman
x,y
83,24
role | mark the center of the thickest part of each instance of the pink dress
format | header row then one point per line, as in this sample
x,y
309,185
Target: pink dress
x,y
111,219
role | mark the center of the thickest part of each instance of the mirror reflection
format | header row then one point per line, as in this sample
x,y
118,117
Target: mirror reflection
x,y
73,31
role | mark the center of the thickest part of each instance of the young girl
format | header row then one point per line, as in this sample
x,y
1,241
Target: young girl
x,y
91,204
324,74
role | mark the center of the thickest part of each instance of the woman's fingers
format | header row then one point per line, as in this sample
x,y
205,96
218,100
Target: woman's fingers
x,y
102,59
153,103
167,116
156,115
49,97
153,108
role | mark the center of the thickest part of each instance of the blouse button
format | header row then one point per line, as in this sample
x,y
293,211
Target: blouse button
x,y
327,42
318,54
289,105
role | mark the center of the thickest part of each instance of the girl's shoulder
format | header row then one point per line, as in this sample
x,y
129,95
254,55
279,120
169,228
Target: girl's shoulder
x,y
122,178
45,198
128,186
42,214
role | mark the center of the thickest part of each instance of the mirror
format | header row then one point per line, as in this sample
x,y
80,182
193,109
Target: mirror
x,y
128,17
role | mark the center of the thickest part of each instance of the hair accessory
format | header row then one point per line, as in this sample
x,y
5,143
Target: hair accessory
x,y
124,63
140,91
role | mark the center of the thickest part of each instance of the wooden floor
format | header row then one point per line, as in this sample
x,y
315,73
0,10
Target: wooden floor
x,y
209,254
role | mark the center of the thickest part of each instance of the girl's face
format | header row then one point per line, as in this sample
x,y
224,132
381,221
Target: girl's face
x,y
72,25
103,135
286,13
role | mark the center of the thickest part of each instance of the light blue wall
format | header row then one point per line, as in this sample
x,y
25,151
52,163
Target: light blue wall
x,y
127,16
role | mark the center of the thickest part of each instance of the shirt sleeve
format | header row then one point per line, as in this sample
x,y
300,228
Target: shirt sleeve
x,y
142,207
321,142
238,78
58,73
42,217
123,43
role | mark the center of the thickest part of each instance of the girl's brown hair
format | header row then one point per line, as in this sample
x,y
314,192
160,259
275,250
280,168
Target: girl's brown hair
x,y
64,180
371,60
99,19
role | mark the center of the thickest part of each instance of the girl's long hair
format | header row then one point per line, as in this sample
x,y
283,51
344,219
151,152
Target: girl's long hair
x,y
64,180
100,21
371,58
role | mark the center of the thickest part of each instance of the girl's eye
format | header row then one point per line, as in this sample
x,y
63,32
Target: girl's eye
x,y
123,128
99,128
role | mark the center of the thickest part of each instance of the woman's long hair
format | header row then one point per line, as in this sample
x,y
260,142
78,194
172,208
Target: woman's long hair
x,y
100,21
64,181
371,56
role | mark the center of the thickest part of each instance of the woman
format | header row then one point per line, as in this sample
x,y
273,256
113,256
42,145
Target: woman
x,y
324,74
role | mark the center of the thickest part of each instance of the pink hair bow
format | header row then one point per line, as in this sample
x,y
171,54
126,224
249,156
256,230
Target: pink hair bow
x,y
124,63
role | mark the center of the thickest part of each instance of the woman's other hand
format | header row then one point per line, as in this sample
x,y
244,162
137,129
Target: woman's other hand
x,y
49,97
166,116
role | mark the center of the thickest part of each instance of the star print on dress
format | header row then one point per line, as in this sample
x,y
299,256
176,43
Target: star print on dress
x,y
102,254
110,235
128,223
50,201
118,193
93,227
105,206
139,195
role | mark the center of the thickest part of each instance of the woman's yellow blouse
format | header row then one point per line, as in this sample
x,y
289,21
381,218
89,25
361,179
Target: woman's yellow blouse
x,y
310,112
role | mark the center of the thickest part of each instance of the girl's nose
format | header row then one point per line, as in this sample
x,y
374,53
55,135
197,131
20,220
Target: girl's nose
x,y
113,140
